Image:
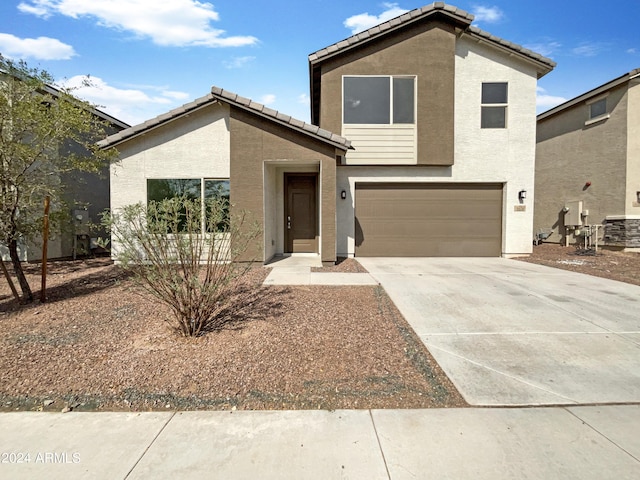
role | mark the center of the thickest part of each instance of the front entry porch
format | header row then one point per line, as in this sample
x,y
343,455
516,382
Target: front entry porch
x,y
293,209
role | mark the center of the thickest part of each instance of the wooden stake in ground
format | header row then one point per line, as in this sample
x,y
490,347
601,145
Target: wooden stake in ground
x,y
45,241
8,277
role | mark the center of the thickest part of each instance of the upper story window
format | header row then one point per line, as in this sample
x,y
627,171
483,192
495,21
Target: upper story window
x,y
494,105
207,191
597,109
379,100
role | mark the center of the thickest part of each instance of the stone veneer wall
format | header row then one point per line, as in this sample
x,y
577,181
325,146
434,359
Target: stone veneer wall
x,y
622,232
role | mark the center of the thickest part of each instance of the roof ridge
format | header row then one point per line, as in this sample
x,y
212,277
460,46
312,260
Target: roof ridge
x,y
220,94
462,16
403,19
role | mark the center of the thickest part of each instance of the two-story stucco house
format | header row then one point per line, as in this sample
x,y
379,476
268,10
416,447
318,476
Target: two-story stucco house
x,y
588,166
422,144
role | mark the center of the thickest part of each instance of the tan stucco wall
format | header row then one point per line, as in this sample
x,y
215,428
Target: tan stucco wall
x,y
425,50
569,154
255,141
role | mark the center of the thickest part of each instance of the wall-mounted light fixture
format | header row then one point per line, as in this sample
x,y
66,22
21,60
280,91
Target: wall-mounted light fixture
x,y
638,196
522,194
343,194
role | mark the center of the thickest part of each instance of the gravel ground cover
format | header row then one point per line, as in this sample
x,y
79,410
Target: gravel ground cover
x,y
615,265
98,343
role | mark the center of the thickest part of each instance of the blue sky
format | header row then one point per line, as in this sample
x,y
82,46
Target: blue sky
x,y
146,57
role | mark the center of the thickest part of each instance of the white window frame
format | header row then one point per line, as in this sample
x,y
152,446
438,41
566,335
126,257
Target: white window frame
x,y
390,77
505,106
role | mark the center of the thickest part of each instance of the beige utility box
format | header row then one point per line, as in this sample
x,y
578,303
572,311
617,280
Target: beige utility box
x,y
573,213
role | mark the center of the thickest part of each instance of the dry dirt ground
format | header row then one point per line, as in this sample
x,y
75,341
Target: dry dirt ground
x,y
615,265
99,344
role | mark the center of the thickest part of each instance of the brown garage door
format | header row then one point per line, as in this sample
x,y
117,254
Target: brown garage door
x,y
428,220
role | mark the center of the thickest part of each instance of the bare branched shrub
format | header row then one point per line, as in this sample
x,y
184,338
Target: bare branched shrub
x,y
185,257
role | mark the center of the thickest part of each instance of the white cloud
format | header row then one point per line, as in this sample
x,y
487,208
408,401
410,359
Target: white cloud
x,y
129,104
167,23
238,62
364,21
544,101
484,14
588,49
268,99
175,95
632,51
546,48
303,99
41,48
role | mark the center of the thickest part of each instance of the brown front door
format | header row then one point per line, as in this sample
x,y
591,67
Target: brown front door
x,y
300,222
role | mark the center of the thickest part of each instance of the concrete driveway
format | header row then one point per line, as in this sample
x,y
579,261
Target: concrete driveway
x,y
513,333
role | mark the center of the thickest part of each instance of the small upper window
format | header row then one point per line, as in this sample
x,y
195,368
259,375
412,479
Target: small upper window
x,y
378,100
494,105
597,109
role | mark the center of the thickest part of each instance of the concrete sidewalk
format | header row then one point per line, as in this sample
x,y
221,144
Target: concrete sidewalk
x,y
297,270
474,443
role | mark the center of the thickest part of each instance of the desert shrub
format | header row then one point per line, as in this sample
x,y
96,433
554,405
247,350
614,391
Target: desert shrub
x,y
186,256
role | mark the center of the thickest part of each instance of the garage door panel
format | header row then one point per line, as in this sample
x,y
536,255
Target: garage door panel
x,y
428,220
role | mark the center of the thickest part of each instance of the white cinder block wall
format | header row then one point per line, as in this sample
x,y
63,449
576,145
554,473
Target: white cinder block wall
x,y
481,155
498,155
195,146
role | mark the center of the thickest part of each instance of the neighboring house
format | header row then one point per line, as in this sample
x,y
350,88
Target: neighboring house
x,y
588,167
441,116
86,195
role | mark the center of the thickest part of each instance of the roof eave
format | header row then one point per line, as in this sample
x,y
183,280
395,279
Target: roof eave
x,y
591,93
156,122
542,64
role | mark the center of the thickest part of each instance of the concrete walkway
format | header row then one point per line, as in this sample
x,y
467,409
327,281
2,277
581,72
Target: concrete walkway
x,y
296,270
512,333
587,443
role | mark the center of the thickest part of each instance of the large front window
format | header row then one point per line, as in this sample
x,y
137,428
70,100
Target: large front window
x,y
208,191
379,100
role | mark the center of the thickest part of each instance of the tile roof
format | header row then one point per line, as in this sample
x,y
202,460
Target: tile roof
x,y
220,95
286,120
461,17
156,121
627,77
478,33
